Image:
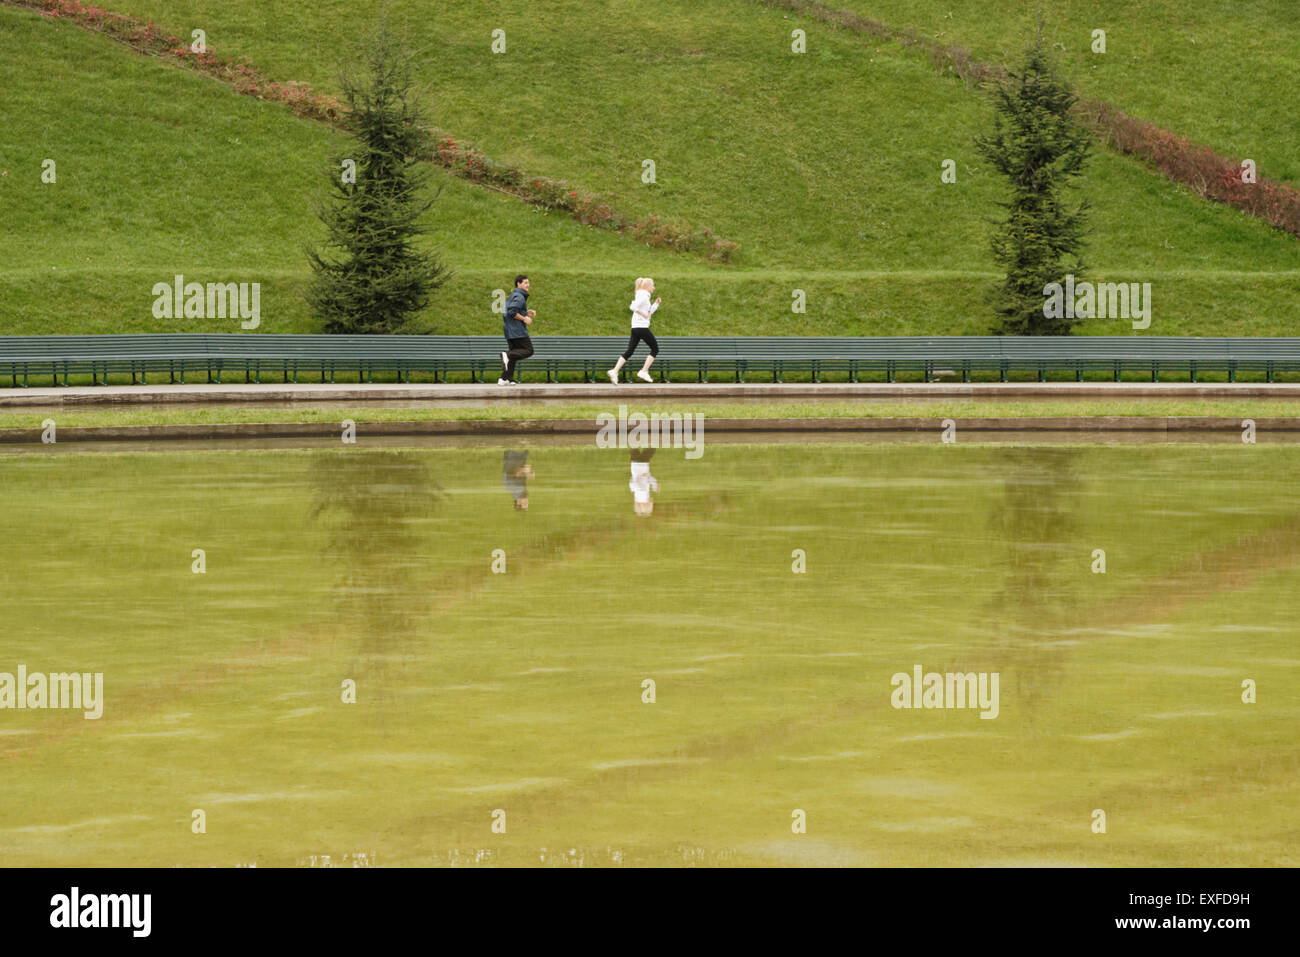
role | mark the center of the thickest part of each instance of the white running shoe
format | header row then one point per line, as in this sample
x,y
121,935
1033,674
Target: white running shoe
x,y
613,376
503,382
644,376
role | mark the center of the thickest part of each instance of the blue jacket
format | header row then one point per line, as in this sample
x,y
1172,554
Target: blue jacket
x,y
516,305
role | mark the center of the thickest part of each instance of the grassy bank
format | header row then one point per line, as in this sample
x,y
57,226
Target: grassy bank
x,y
833,187
1165,61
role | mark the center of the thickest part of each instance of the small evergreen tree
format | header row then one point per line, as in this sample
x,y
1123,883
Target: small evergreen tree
x,y
378,282
1040,149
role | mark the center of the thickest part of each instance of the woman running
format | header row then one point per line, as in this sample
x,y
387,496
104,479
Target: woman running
x,y
642,309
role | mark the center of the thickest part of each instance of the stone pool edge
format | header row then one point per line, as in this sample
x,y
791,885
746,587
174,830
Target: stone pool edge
x,y
525,427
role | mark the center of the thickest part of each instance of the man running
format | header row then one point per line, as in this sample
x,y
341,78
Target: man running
x,y
518,317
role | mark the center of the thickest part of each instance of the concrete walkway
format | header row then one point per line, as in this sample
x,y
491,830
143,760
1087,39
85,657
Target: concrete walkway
x,y
82,396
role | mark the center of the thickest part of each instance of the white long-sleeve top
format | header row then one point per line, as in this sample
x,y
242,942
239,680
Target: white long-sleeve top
x,y
642,309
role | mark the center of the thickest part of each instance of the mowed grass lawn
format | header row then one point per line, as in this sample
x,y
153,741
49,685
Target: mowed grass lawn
x,y
522,691
825,167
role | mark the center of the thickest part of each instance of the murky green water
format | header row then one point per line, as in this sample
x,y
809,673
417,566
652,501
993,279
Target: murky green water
x,y
523,691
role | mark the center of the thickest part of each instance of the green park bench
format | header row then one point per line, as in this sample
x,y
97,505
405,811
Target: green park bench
x,y
251,357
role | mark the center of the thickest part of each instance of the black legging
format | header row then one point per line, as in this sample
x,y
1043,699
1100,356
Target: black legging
x,y
637,336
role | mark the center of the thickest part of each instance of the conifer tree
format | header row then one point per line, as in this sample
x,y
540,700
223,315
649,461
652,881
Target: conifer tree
x,y
371,278
1040,149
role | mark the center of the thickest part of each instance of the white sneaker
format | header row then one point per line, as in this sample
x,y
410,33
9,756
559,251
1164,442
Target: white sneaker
x,y
613,376
644,376
503,382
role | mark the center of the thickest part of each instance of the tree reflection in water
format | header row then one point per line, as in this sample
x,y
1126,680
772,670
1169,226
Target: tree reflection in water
x,y
372,502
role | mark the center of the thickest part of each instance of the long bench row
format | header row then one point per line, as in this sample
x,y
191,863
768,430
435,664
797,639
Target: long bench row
x,y
249,357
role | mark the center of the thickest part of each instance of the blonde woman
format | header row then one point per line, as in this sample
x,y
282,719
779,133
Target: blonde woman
x,y
642,309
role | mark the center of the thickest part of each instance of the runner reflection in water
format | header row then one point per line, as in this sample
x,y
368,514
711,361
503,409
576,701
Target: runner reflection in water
x,y
642,482
515,473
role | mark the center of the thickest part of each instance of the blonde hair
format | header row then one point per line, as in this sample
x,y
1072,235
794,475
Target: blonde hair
x,y
644,283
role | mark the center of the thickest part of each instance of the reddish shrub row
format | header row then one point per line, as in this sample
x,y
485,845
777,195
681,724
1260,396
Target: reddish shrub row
x,y
465,161
1198,167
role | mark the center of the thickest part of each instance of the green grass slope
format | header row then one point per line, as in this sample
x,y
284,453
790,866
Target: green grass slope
x,y
162,172
825,167
1216,72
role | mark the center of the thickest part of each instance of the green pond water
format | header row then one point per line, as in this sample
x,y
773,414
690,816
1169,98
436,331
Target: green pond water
x,y
522,691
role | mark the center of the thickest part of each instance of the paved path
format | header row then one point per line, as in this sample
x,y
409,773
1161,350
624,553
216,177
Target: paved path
x,y
604,392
